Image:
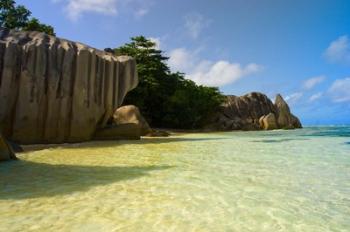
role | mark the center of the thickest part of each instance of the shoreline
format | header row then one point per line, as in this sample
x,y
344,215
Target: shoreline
x,y
173,133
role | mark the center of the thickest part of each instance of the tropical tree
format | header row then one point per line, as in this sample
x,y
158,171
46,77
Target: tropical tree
x,y
19,17
167,99
34,25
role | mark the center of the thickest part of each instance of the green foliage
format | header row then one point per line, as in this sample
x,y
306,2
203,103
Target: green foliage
x,y
35,25
167,99
18,17
12,16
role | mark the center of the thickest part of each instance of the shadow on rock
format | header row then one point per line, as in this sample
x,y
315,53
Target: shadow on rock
x,y
25,180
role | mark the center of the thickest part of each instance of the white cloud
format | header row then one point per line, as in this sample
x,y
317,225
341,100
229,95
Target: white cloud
x,y
294,97
181,60
308,84
139,7
210,73
340,90
339,51
312,82
315,96
222,73
157,41
195,23
76,8
141,12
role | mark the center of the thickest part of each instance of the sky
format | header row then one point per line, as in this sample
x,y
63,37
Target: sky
x,y
298,48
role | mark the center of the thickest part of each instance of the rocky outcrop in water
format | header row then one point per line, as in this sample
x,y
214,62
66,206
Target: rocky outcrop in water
x,y
6,152
53,90
254,111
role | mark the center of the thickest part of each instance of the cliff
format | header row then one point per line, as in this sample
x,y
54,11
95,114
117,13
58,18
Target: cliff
x,y
254,111
53,90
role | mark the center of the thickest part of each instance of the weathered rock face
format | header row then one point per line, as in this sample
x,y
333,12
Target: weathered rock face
x,y
286,119
131,114
243,113
6,152
53,90
268,122
253,111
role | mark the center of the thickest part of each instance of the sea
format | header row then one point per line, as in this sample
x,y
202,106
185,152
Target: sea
x,y
283,180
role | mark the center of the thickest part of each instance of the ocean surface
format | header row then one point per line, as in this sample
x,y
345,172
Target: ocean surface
x,y
238,181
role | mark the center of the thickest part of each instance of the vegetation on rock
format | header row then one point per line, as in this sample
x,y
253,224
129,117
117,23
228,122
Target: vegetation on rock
x,y
19,17
167,99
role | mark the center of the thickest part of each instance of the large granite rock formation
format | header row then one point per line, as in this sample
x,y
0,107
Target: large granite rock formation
x,y
53,90
6,152
253,111
285,118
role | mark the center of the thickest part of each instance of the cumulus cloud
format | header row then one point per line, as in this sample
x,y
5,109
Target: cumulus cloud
x,y
312,82
294,97
339,51
315,96
222,72
195,23
209,73
340,90
181,60
76,8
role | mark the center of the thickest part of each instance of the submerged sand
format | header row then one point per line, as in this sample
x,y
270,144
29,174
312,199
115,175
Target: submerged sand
x,y
245,181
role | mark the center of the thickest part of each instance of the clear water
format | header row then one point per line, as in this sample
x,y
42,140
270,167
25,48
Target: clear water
x,y
240,181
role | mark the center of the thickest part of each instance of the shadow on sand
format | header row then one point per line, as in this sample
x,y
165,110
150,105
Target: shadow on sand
x,y
25,180
112,143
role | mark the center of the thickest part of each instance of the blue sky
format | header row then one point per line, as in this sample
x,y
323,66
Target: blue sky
x,y
298,48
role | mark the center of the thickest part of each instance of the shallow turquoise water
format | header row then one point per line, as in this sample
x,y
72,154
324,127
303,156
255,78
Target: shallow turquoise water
x,y
240,181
